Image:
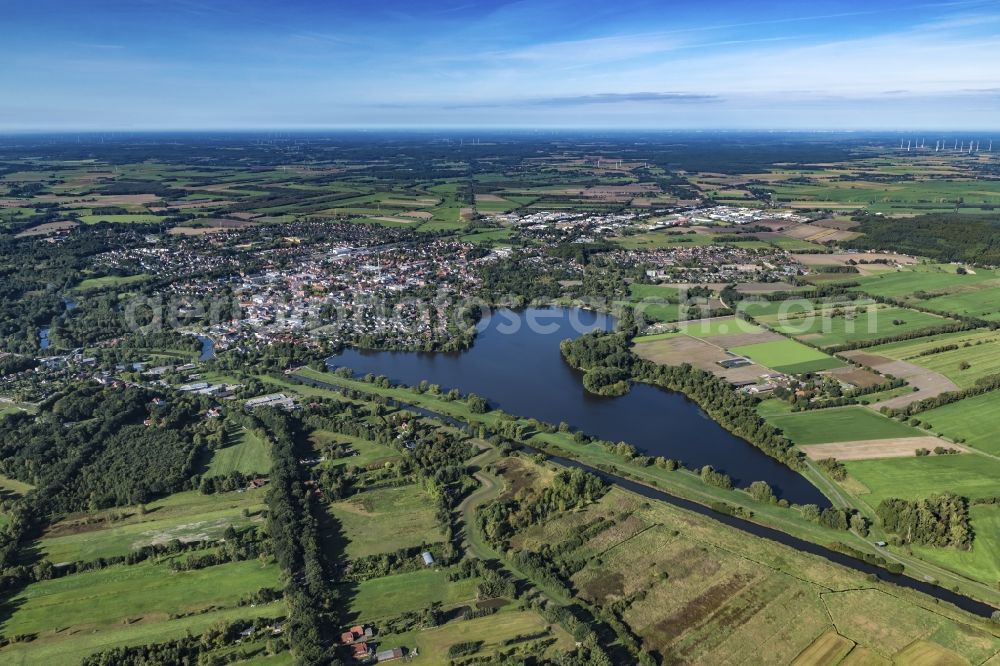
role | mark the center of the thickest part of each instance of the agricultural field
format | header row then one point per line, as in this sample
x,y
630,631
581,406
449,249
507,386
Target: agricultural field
x,y
924,476
976,354
972,421
833,324
385,520
940,288
788,356
74,615
185,516
693,593
840,424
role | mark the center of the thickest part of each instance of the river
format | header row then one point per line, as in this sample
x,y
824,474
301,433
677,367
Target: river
x,y
515,363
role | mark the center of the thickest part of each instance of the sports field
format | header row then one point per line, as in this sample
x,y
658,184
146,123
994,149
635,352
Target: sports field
x,y
387,519
788,356
842,424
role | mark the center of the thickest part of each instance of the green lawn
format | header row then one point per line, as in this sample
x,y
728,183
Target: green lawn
x,y
974,421
919,477
842,424
788,356
392,595
387,519
244,452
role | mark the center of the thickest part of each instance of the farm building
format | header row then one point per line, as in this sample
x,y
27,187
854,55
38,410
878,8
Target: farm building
x,y
389,655
428,558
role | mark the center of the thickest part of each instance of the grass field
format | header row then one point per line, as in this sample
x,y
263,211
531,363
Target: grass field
x,y
788,356
98,600
980,563
121,219
704,595
183,516
939,288
387,519
391,595
920,477
974,421
829,326
68,647
842,424
368,452
979,350
432,644
244,452
109,281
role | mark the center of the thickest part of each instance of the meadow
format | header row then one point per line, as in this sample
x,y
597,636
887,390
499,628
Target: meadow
x,y
388,596
842,424
97,601
699,594
940,288
926,476
243,452
368,451
973,421
386,519
189,515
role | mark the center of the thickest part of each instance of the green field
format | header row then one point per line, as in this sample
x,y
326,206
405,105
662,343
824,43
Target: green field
x,y
788,356
188,515
385,520
432,644
836,325
980,350
707,328
974,421
919,477
243,452
980,563
109,281
369,452
841,424
121,219
100,600
392,595
938,287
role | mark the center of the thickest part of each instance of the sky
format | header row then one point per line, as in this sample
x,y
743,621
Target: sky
x,y
622,64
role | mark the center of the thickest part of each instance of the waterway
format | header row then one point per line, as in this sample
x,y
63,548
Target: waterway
x,y
515,363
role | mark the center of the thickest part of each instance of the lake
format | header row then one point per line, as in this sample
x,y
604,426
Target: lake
x,y
515,363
